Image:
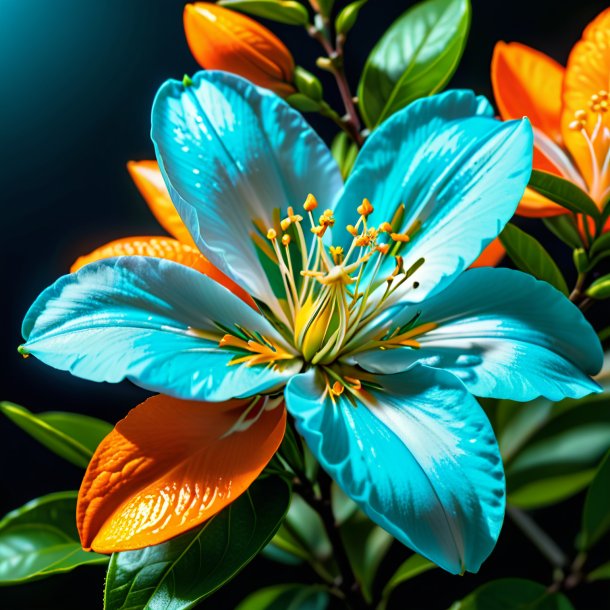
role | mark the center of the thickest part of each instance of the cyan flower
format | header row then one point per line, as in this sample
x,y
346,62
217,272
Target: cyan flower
x,y
367,321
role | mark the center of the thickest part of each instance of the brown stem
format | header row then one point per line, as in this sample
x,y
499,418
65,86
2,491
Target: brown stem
x,y
347,583
335,55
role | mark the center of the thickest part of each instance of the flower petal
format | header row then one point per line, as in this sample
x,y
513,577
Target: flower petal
x,y
232,154
504,334
170,465
417,454
149,180
458,172
162,247
491,256
154,322
587,74
527,83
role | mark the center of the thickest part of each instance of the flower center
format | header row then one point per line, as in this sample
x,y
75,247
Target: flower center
x,y
333,294
597,138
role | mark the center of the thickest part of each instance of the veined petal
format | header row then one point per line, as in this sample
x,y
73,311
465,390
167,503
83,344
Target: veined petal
x,y
504,334
170,465
459,174
418,455
527,83
232,154
162,247
154,322
587,73
147,177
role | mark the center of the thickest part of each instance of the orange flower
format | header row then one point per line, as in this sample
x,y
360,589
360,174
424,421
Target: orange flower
x,y
222,39
567,108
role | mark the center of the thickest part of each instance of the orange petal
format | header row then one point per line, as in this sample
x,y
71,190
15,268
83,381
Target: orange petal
x,y
587,73
222,39
491,256
534,205
170,465
163,247
527,82
147,177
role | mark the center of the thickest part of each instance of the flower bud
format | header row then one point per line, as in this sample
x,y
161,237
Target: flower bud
x,y
222,39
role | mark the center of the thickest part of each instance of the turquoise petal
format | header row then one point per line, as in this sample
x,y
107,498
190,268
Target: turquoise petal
x,y
504,334
417,454
148,320
231,153
457,171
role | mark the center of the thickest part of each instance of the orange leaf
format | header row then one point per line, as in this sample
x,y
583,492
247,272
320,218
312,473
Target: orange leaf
x,y
170,465
147,177
222,39
163,247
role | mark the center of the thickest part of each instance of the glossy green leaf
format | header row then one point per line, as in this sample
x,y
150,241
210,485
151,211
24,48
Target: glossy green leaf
x,y
282,11
565,229
343,506
40,539
600,573
600,288
303,103
346,19
564,193
416,57
344,152
596,514
366,545
71,435
560,456
325,6
181,572
529,256
412,567
513,594
287,597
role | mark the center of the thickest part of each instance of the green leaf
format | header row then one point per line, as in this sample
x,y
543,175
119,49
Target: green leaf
x,y
600,573
179,573
561,454
416,57
529,256
565,229
564,193
513,594
348,16
600,288
303,103
287,597
596,514
283,11
325,6
412,567
344,152
366,545
40,539
72,436
601,244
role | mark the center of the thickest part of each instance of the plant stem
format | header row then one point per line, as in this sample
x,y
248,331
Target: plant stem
x,y
347,583
541,540
335,55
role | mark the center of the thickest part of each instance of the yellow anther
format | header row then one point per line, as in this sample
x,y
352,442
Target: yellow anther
x,y
400,237
337,254
576,125
319,231
603,94
363,240
292,216
356,384
327,220
385,227
286,240
603,106
580,115
351,229
365,208
311,203
285,223
327,212
383,248
337,388
271,234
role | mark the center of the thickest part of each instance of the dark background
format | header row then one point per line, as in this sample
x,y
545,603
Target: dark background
x,y
77,82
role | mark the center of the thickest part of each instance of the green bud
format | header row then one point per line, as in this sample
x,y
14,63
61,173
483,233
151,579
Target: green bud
x,y
303,103
307,84
347,17
600,288
581,260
